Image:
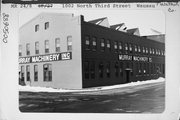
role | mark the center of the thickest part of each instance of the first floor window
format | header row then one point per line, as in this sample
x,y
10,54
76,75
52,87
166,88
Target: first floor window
x,y
101,67
35,73
108,70
47,69
116,69
92,70
22,73
28,73
86,70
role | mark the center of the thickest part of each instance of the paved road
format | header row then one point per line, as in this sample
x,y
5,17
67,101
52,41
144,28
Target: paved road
x,y
149,98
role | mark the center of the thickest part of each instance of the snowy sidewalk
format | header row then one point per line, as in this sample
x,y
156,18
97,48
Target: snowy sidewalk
x,y
45,89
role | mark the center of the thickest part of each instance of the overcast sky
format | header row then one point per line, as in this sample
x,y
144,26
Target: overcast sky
x,y
143,19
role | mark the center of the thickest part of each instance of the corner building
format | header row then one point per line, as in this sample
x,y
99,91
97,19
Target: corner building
x,y
64,51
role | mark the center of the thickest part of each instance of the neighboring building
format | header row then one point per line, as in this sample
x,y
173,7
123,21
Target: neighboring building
x,y
133,31
119,27
64,51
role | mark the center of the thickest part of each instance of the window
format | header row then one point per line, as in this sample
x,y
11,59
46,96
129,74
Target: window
x,y
139,49
46,46
143,49
92,70
57,44
147,51
36,47
108,44
47,70
116,69
130,48
22,73
87,42
36,28
163,69
101,68
35,73
46,26
153,52
115,46
120,47
102,45
20,50
144,68
86,70
121,69
132,69
27,49
69,43
94,41
135,48
108,70
140,68
150,50
126,48
28,73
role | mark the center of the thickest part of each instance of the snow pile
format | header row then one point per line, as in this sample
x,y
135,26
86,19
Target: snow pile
x,y
45,89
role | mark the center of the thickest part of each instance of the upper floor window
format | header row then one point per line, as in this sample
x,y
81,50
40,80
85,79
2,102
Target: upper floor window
x,y
20,50
102,44
147,51
87,42
69,43
150,50
28,49
37,47
135,48
46,25
36,28
57,44
115,46
130,48
46,46
120,45
126,48
153,52
94,43
108,43
139,49
143,49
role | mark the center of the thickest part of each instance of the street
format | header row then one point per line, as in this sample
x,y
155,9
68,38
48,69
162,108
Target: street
x,y
147,98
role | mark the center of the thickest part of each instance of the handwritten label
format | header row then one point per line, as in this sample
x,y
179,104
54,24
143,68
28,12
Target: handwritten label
x,y
5,27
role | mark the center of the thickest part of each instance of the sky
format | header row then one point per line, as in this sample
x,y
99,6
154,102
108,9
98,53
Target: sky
x,y
142,19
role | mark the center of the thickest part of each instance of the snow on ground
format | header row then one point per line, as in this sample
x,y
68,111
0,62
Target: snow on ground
x,y
45,89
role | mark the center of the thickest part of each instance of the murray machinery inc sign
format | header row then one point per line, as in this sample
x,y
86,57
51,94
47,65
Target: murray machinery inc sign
x,y
135,58
46,58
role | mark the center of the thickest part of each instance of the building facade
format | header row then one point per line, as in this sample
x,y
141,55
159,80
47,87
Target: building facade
x,y
64,51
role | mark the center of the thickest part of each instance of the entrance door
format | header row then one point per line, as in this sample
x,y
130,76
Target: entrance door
x,y
127,76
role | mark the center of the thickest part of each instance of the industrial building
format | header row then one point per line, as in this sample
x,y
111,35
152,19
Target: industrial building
x,y
65,51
